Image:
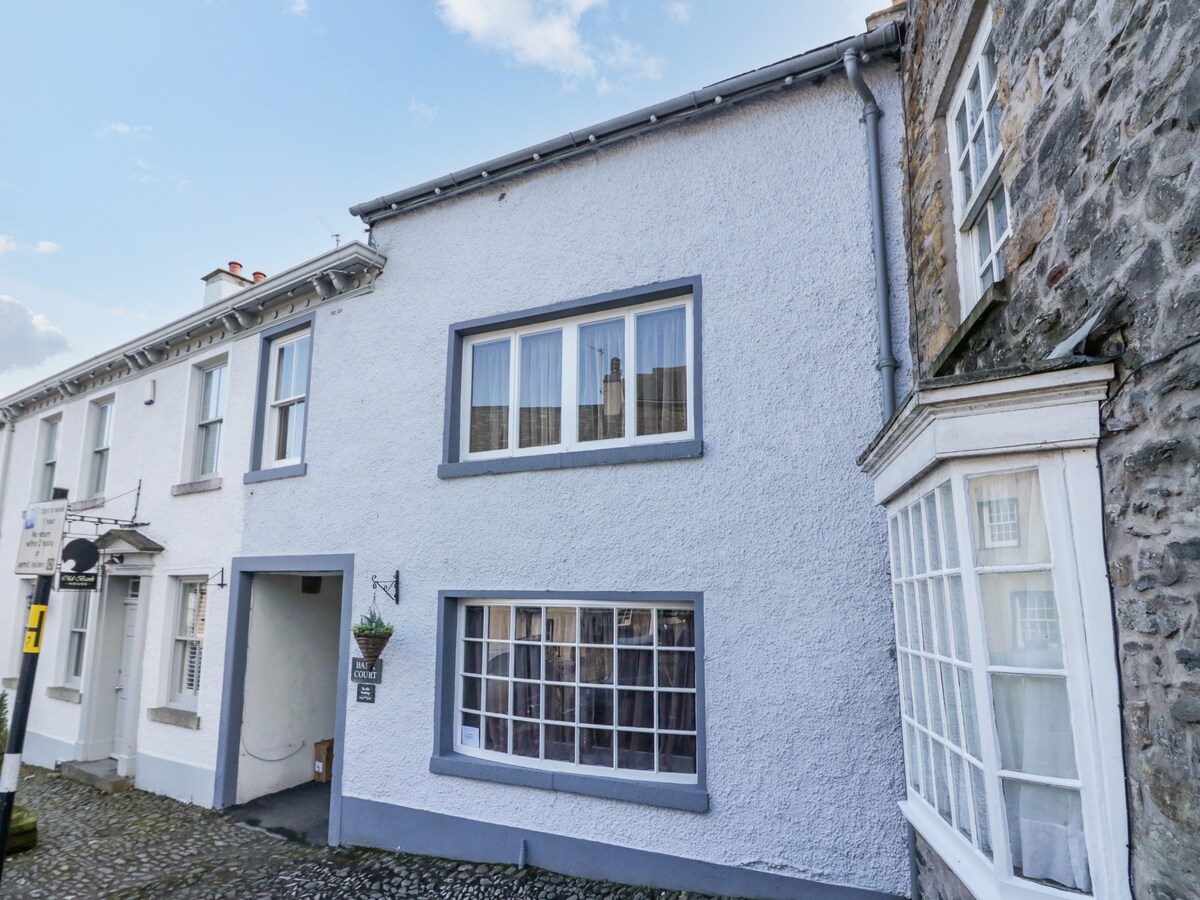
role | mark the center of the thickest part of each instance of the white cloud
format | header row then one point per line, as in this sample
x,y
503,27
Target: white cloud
x,y
26,338
8,245
549,34
421,111
298,7
680,13
123,129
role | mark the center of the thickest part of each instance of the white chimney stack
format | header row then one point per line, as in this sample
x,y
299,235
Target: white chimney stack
x,y
220,283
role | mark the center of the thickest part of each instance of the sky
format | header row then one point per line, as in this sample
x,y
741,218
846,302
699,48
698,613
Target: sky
x,y
148,142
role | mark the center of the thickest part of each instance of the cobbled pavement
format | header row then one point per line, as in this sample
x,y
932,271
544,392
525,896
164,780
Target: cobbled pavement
x,y
138,845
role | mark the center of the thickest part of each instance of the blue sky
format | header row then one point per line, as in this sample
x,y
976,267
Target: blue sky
x,y
150,141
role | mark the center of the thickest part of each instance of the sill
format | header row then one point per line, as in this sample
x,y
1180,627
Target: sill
x,y
996,295
293,471
65,694
10,683
196,487
689,449
169,715
90,503
977,875
689,797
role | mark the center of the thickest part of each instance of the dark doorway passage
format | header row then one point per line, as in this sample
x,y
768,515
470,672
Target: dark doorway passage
x,y
300,813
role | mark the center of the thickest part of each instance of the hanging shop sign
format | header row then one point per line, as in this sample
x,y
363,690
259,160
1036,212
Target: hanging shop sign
x,y
80,565
37,548
362,672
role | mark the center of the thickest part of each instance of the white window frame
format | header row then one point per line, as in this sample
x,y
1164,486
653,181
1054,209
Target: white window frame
x,y
77,639
203,372
51,438
570,382
613,772
178,695
100,445
982,207
1070,500
273,405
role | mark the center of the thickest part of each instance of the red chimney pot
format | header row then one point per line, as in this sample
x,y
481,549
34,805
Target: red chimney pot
x,y
260,276
235,267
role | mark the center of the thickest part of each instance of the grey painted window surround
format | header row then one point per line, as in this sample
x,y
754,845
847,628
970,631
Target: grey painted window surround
x,y
691,797
268,336
453,467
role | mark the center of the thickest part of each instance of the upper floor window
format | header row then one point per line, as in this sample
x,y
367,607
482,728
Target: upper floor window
x,y
101,436
980,201
210,418
614,378
287,384
1006,764
45,478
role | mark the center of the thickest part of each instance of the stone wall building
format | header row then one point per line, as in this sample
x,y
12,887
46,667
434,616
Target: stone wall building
x,y
1083,172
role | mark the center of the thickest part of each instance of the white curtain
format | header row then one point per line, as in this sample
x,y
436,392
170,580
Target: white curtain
x,y
1045,822
602,380
662,372
541,389
489,396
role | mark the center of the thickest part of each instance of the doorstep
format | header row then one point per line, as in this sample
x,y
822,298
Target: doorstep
x,y
100,774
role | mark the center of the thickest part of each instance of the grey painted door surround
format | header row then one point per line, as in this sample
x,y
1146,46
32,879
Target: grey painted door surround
x,y
241,585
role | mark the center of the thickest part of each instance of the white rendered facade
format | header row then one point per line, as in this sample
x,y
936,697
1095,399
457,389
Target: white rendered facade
x,y
162,725
734,526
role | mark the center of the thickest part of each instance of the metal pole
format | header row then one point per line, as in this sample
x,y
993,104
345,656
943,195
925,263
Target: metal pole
x,y
11,769
20,714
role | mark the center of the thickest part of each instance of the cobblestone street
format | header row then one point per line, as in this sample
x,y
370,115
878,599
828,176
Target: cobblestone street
x,y
137,845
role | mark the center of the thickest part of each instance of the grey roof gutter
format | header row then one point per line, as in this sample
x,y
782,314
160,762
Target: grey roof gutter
x,y
813,66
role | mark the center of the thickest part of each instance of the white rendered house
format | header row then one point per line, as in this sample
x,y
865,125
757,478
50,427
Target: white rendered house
x,y
151,440
597,420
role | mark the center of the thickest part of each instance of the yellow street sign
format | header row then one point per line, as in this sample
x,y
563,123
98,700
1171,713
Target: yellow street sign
x,y
33,631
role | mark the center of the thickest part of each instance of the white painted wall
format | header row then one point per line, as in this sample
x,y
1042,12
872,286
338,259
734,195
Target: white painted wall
x,y
199,531
768,202
291,682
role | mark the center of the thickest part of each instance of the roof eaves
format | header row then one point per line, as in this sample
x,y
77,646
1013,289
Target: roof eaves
x,y
148,349
812,66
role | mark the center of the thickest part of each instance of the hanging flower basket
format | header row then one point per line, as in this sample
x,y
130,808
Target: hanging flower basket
x,y
371,647
372,634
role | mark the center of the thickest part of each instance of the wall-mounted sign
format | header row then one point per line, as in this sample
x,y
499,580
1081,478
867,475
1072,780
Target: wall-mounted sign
x,y
37,548
365,693
362,673
78,571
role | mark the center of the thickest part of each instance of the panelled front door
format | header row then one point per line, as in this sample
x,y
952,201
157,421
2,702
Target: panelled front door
x,y
128,659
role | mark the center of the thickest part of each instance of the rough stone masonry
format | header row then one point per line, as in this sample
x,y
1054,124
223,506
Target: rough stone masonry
x,y
1101,137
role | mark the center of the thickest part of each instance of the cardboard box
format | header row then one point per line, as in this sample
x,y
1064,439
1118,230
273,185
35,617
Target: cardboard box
x,y
323,761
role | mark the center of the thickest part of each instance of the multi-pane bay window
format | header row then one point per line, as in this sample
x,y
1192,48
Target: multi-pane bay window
x,y
613,378
287,385
1009,698
210,419
50,430
101,436
993,657
597,688
187,645
980,201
